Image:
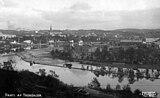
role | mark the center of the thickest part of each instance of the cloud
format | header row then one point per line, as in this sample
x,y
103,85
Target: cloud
x,y
80,20
10,3
86,14
103,20
1,3
141,19
77,19
80,6
22,18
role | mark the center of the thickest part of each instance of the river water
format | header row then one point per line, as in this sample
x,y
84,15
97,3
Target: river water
x,y
143,79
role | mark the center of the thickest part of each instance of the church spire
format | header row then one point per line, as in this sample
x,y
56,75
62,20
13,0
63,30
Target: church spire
x,y
51,28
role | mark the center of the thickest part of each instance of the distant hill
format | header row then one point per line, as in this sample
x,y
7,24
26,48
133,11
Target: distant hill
x,y
109,33
138,30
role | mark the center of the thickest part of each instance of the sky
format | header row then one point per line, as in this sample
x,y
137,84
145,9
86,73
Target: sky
x,y
79,14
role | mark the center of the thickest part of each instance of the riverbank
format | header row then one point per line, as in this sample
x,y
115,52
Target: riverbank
x,y
39,56
120,65
43,56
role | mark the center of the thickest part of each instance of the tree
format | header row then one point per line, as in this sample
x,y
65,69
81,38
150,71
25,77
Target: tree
x,y
97,54
108,87
130,54
127,87
105,54
121,54
118,87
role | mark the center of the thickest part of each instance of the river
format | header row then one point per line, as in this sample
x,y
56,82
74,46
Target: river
x,y
143,79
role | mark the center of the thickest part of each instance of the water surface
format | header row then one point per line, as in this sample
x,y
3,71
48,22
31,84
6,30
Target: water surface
x,y
143,79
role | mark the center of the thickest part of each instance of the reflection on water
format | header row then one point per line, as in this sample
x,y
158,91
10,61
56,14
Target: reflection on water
x,y
132,75
143,79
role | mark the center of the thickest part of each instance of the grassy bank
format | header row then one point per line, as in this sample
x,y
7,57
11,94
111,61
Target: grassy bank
x,y
13,82
25,82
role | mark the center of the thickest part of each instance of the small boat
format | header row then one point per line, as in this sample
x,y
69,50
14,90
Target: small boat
x,y
69,65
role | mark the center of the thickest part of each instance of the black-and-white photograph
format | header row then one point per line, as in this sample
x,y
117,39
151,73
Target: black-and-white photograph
x,y
79,48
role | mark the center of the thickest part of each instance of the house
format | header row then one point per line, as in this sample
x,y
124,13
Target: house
x,y
27,42
80,43
51,42
14,42
72,43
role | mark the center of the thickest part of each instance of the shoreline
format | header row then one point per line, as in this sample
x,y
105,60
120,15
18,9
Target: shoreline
x,y
42,56
121,65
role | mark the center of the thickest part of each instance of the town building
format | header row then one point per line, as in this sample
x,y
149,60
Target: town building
x,y
130,42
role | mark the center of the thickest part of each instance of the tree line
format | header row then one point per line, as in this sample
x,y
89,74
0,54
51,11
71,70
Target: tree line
x,y
141,54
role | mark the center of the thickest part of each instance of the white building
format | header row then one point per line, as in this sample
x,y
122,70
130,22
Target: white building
x,y
28,41
80,43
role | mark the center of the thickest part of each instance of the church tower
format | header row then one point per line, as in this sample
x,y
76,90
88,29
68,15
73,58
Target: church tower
x,y
50,30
